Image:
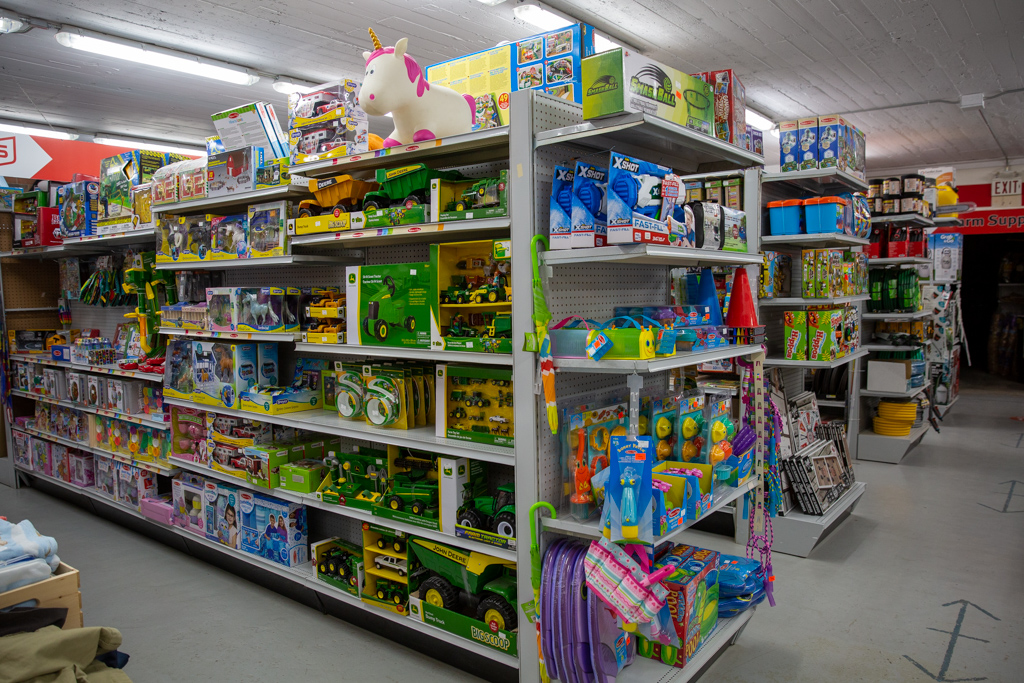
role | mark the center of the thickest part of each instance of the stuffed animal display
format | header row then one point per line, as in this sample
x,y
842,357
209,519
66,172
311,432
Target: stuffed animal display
x,y
395,83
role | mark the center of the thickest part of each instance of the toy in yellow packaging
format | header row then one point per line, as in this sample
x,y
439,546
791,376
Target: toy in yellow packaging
x,y
689,427
718,428
385,397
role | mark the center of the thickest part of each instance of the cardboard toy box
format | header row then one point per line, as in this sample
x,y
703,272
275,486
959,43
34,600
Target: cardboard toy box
x,y
273,529
468,272
807,134
629,214
825,334
222,371
251,125
333,96
305,392
620,81
233,172
78,206
789,147
61,590
730,105
468,199
339,563
796,335
328,136
120,173
459,392
268,229
389,305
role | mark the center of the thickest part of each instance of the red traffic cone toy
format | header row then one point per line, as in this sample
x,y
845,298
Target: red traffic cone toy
x,y
742,312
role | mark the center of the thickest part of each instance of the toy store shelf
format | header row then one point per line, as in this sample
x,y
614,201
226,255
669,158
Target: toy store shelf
x,y
818,364
104,369
303,575
915,219
642,134
797,533
680,360
236,336
890,449
470,148
410,354
880,348
353,513
648,254
892,394
819,240
798,301
897,316
137,419
947,222
899,261
241,200
99,243
293,260
644,670
818,180
407,234
55,251
830,403
329,422
120,457
593,529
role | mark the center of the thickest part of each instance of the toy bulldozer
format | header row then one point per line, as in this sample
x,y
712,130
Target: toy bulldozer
x,y
339,194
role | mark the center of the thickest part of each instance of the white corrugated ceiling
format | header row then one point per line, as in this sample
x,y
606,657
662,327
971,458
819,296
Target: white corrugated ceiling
x,y
795,58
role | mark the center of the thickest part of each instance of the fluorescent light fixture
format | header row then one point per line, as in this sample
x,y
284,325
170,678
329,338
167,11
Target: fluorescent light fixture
x,y
538,16
290,88
154,56
38,132
11,25
759,121
156,147
491,3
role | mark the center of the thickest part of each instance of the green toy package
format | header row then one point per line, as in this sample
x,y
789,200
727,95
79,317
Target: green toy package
x,y
393,304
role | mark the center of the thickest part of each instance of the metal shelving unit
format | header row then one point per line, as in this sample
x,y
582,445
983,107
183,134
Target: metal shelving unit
x,y
815,364
917,315
680,360
154,467
648,254
235,336
820,181
904,261
137,419
800,301
914,219
452,231
889,449
815,241
290,260
240,200
99,369
439,355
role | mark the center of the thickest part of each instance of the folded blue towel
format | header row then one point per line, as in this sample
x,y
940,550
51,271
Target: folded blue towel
x,y
20,540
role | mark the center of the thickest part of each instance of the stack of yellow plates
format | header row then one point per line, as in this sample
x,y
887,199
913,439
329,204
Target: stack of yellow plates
x,y
895,419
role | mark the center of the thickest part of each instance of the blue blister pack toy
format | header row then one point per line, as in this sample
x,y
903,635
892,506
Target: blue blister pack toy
x,y
634,201
560,219
589,207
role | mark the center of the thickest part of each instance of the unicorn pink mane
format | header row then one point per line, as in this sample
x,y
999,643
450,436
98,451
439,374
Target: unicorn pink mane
x,y
412,68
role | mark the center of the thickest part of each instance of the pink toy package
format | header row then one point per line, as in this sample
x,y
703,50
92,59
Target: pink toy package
x,y
22,450
158,508
82,468
187,503
41,457
189,434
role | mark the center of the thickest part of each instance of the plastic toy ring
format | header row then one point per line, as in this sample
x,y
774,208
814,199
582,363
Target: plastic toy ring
x,y
719,431
663,427
383,406
349,394
599,440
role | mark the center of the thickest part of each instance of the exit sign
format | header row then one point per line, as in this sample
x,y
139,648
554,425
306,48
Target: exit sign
x,y
1006,188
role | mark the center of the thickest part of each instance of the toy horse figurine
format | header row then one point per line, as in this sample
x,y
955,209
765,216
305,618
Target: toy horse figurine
x,y
394,82
258,313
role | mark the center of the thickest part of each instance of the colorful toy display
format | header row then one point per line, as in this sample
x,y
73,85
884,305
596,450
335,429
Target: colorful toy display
x,y
473,309
395,83
339,563
474,403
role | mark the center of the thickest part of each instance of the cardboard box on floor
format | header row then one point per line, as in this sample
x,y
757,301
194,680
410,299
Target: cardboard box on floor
x,y
60,590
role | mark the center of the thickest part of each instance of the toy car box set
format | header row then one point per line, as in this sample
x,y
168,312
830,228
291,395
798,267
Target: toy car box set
x,y
474,403
326,122
472,310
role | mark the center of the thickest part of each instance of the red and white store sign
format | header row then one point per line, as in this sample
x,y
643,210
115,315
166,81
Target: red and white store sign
x,y
28,156
989,221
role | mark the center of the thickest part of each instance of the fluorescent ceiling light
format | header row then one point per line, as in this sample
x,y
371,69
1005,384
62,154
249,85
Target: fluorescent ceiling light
x,y
290,88
491,3
153,56
9,25
38,132
156,147
759,121
542,18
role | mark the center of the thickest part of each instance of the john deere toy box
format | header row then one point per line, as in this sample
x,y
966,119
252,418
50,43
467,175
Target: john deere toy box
x,y
412,493
473,307
389,305
621,81
466,199
339,563
474,403
549,62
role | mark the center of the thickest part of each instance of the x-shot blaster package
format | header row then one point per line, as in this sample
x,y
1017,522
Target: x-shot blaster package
x,y
560,217
589,217
634,201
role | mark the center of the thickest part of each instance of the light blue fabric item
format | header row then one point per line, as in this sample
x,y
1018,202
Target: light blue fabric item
x,y
21,539
18,574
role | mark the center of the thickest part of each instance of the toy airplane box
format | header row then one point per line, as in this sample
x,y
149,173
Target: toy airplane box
x,y
621,81
390,304
472,310
78,206
550,62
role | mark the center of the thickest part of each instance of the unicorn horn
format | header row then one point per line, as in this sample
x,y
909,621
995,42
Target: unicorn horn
x,y
376,41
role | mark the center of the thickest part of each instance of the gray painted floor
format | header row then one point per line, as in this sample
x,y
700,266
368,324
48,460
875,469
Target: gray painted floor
x,y
871,596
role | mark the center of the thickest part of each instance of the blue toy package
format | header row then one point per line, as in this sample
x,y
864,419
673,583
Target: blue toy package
x,y
738,576
560,211
634,201
589,206
77,207
273,529
220,510
628,492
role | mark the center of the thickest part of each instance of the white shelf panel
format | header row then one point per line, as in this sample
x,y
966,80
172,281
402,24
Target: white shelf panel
x,y
912,218
818,180
800,301
241,199
293,260
831,403
797,533
450,231
352,513
102,369
303,575
947,222
137,419
815,241
944,409
459,149
648,254
99,243
899,261
890,449
235,336
896,317
150,466
641,131
440,356
593,529
680,360
876,348
892,394
329,422
784,363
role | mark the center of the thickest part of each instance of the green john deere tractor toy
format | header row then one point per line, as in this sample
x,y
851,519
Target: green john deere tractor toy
x,y
450,577
496,514
390,591
341,565
500,327
485,192
386,310
406,186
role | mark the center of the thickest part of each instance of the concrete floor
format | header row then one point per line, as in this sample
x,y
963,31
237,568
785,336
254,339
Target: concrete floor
x,y
871,601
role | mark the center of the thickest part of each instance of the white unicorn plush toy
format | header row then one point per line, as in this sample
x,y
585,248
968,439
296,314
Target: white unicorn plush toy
x,y
395,83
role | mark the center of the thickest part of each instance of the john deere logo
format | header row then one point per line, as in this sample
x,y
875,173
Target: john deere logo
x,y
605,83
351,278
447,471
654,84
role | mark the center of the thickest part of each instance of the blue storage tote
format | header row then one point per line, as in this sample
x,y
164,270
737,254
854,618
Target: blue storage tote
x,y
825,214
786,217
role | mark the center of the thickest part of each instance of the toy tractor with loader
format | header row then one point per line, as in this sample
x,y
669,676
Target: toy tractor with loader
x,y
485,192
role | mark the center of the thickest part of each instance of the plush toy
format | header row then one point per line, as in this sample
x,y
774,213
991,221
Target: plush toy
x,y
395,83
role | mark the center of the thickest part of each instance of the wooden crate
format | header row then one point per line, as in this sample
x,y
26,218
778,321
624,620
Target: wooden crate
x,y
60,590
